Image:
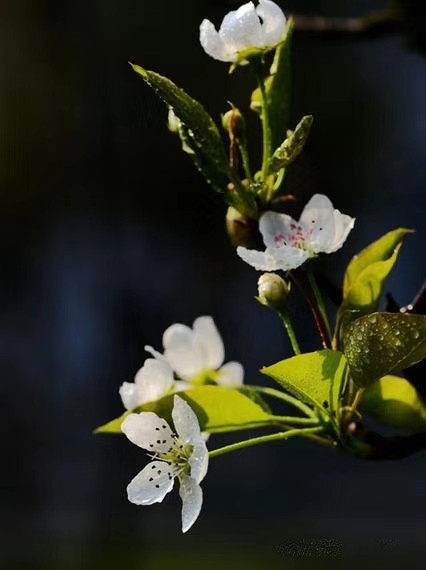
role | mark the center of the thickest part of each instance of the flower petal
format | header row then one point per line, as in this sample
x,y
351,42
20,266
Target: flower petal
x,y
275,227
231,374
274,22
152,484
192,500
213,44
149,431
325,227
185,421
154,380
182,351
208,337
241,29
284,258
130,395
199,460
155,353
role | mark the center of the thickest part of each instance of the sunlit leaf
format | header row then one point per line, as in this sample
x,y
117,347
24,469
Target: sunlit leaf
x,y
292,146
382,343
395,402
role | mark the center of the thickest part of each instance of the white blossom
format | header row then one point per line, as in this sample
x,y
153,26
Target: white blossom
x,y
248,28
196,353
182,454
153,381
321,229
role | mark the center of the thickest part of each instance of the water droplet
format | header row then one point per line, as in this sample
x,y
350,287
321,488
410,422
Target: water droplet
x,y
416,334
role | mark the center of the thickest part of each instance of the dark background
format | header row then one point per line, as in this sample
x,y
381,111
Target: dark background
x,y
108,235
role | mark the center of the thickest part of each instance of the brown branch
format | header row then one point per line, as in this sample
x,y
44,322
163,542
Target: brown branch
x,y
377,21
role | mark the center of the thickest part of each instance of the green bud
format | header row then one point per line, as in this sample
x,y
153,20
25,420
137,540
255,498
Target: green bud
x,y
273,290
242,230
234,124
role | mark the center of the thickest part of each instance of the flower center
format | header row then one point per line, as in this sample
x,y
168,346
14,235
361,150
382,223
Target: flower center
x,y
177,456
296,237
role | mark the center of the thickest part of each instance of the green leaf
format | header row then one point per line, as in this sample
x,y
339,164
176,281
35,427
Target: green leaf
x,y
395,402
367,273
382,343
292,146
218,410
278,90
203,134
315,378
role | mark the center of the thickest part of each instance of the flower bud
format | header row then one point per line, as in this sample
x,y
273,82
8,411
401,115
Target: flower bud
x,y
233,122
242,230
273,290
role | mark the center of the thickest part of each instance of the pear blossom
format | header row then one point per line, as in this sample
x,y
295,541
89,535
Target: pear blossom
x,y
248,28
321,229
182,454
198,353
152,381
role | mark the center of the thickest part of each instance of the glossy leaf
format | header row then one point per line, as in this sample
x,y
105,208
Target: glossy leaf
x,y
292,146
278,90
315,378
367,273
199,126
218,410
382,343
395,402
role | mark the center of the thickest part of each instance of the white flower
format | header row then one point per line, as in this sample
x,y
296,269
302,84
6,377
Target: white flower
x,y
196,353
247,28
321,229
153,381
184,456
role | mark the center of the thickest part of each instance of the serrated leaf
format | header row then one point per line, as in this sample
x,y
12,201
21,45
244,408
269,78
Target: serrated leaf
x,y
198,123
382,343
218,410
395,402
315,378
292,146
367,273
278,90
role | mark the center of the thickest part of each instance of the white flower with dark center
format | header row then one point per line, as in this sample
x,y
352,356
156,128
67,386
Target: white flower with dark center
x,y
153,381
321,229
183,455
249,28
197,355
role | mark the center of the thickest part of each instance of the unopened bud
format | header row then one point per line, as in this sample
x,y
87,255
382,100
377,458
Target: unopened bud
x,y
233,122
242,230
273,290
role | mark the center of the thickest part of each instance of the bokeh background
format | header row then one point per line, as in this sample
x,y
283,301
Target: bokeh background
x,y
108,235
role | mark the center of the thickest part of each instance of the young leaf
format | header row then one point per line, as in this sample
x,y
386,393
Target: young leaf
x,y
382,343
395,402
316,377
278,90
292,146
367,273
198,123
218,410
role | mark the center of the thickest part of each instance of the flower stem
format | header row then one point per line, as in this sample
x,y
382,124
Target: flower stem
x,y
319,299
295,421
285,398
285,317
264,439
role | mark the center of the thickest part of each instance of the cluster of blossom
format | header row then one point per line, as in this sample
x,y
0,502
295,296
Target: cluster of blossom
x,y
194,356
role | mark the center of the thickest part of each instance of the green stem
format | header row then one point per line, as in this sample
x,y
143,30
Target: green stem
x,y
246,160
285,398
264,439
320,303
295,421
285,317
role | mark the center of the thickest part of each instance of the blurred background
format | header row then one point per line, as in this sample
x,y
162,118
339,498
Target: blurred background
x,y
109,235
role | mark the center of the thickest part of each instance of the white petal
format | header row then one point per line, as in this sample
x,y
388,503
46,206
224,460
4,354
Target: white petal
x,y
154,379
326,227
192,500
181,386
199,460
274,22
151,485
275,227
182,351
213,44
149,431
185,421
208,337
241,29
260,260
231,374
130,395
273,259
155,353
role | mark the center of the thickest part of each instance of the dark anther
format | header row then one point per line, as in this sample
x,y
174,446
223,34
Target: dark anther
x,y
325,404
151,479
158,441
159,471
158,486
